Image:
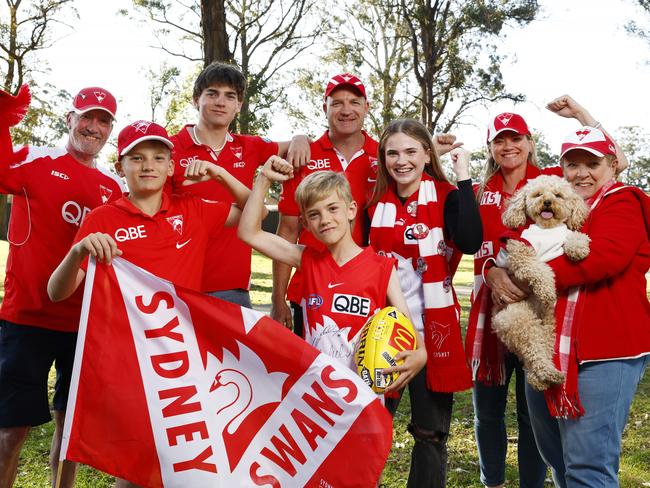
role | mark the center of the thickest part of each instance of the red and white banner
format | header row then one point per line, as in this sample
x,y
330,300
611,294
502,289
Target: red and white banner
x,y
174,388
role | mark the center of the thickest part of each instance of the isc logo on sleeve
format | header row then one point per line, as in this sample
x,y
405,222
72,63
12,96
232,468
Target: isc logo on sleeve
x,y
351,304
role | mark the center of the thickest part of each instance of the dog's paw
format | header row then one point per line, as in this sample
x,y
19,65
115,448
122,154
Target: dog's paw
x,y
519,249
542,284
545,378
576,246
542,378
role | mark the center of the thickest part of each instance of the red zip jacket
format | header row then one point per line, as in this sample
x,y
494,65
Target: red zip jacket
x,y
613,314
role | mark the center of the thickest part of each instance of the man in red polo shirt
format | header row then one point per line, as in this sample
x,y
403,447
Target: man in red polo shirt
x,y
54,189
345,147
218,94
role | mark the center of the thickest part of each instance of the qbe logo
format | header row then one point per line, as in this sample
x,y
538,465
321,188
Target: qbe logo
x,y
319,164
351,304
73,213
185,162
130,233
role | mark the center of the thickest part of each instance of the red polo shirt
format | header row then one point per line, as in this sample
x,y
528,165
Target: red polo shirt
x,y
53,193
361,173
228,261
171,243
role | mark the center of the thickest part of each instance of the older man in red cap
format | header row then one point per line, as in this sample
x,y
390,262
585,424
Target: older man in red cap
x,y
344,147
54,189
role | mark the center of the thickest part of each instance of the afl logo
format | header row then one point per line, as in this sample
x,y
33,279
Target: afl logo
x,y
314,301
420,231
411,209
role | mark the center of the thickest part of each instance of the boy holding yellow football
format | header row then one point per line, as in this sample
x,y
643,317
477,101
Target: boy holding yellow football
x,y
342,285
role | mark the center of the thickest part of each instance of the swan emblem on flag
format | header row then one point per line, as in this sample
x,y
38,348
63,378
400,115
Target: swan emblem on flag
x,y
243,385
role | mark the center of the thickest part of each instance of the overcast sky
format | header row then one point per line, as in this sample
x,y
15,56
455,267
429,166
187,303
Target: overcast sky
x,y
578,47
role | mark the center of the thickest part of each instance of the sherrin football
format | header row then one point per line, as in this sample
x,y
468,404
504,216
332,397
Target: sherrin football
x,y
385,334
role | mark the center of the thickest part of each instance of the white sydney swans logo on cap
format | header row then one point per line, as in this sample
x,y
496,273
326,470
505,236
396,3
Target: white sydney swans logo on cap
x,y
141,126
505,118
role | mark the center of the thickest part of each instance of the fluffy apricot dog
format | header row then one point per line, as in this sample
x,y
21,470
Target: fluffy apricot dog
x,y
527,328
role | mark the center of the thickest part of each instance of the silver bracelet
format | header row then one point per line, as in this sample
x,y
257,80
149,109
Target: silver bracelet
x,y
597,125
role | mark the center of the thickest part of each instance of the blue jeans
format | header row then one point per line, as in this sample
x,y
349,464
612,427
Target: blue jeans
x,y
490,431
236,295
591,444
547,434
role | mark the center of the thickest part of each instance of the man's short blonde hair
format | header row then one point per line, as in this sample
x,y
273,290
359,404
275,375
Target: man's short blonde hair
x,y
320,185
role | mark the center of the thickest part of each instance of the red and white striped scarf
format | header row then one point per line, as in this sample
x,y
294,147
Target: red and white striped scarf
x,y
447,370
485,352
563,399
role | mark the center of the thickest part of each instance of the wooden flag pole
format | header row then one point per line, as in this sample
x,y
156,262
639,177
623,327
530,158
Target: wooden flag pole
x,y
59,473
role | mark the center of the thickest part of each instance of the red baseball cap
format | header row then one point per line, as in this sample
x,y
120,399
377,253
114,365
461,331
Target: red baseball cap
x,y
507,121
94,98
139,131
345,79
589,139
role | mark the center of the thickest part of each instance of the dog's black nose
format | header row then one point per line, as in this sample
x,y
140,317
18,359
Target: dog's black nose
x,y
547,203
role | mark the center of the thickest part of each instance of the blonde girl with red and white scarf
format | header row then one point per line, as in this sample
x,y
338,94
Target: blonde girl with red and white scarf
x,y
425,222
511,163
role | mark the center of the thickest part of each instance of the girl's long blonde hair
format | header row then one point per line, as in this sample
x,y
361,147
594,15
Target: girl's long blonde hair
x,y
416,130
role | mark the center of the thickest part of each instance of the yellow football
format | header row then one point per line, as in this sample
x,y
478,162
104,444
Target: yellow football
x,y
385,334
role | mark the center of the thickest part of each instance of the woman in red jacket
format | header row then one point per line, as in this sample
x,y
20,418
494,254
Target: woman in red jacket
x,y
603,318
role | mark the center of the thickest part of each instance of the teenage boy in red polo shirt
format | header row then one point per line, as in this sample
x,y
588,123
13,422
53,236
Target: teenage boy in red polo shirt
x,y
345,148
166,235
54,189
218,95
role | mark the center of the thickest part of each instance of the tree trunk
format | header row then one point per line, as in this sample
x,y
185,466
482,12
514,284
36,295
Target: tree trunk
x,y
215,37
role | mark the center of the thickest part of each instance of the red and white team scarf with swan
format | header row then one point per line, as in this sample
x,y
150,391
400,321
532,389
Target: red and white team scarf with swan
x,y
447,370
485,352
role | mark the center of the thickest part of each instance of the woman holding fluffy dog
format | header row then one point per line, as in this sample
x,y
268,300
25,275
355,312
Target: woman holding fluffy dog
x,y
512,161
423,221
603,320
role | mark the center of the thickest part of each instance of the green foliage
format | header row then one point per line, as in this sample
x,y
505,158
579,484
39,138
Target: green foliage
x,y
545,155
640,26
635,143
456,54
477,163
367,38
44,124
28,31
265,38
433,60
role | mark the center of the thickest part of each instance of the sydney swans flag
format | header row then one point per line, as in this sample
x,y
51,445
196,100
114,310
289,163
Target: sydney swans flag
x,y
173,388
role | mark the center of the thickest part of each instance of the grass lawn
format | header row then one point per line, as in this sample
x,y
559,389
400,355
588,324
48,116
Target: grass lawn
x,y
463,462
